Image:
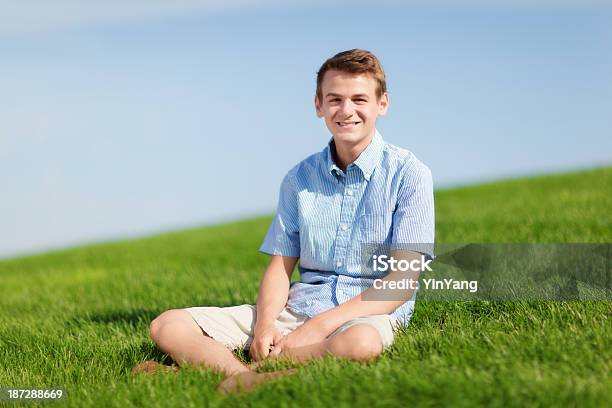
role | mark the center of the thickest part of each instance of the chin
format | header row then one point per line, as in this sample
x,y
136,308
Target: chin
x,y
349,137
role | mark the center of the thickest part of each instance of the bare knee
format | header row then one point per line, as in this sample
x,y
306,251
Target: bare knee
x,y
360,343
161,326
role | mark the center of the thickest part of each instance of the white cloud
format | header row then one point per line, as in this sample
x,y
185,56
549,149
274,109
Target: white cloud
x,y
28,16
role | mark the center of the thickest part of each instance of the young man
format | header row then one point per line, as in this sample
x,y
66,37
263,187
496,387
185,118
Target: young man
x,y
358,191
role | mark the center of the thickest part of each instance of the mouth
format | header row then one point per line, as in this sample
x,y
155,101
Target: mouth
x,y
347,124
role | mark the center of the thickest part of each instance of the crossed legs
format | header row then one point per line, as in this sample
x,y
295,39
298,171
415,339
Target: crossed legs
x,y
178,335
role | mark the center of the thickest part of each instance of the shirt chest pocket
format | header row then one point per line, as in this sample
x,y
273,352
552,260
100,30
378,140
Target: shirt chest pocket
x,y
376,228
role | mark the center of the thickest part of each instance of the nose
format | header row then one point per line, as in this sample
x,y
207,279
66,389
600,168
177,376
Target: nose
x,y
347,108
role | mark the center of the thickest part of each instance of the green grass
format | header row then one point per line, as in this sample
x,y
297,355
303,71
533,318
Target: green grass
x,y
79,318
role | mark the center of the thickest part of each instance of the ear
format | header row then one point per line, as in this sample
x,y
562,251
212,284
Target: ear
x,y
383,104
318,107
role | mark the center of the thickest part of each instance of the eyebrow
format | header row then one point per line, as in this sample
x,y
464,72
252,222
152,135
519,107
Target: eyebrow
x,y
354,96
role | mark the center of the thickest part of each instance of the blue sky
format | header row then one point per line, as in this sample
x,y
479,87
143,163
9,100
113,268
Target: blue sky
x,y
121,119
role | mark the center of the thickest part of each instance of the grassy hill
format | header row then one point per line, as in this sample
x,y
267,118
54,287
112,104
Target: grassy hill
x,y
79,318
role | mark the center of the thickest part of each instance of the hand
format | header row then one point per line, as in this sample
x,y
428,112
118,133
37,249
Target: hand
x,y
311,332
265,339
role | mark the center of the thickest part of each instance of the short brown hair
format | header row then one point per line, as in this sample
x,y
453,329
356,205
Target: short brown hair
x,y
354,61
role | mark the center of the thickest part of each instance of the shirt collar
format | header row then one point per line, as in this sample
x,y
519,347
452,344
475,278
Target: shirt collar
x,y
367,160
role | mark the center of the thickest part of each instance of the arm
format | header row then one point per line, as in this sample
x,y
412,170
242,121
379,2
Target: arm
x,y
282,242
274,288
272,298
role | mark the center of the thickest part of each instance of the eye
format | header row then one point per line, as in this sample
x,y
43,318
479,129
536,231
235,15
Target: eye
x,y
360,100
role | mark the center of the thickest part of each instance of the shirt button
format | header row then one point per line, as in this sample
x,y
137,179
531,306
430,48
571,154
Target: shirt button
x,y
350,192
344,227
338,264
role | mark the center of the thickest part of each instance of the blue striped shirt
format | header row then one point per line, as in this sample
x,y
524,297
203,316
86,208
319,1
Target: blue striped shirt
x,y
324,216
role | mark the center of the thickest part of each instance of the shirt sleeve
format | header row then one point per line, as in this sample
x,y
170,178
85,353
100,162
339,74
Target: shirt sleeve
x,y
414,218
283,237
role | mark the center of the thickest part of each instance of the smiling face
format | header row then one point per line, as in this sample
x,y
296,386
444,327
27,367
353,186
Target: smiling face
x,y
350,106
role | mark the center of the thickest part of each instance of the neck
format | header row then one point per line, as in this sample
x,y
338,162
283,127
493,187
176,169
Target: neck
x,y
347,153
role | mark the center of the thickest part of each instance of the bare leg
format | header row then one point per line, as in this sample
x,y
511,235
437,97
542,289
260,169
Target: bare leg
x,y
178,335
360,342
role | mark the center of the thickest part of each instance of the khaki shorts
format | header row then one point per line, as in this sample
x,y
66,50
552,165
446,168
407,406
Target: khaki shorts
x,y
234,326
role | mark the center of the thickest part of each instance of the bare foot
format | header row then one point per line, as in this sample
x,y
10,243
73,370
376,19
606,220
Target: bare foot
x,y
151,367
247,381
